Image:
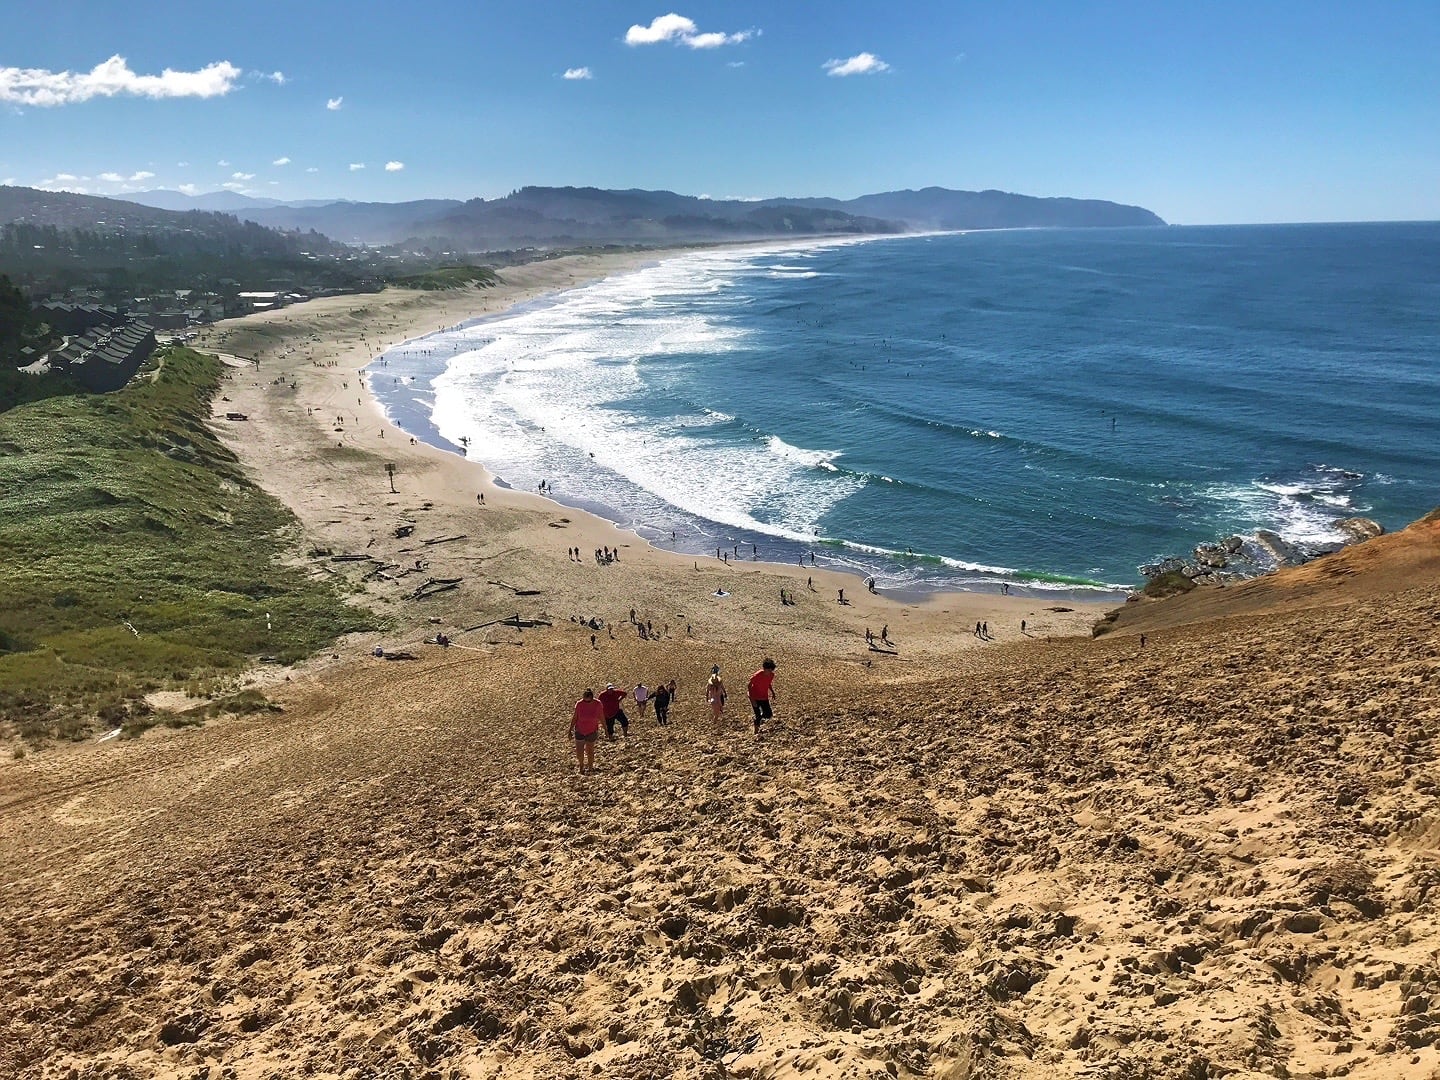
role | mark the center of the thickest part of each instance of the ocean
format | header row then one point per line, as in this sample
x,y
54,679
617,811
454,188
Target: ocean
x,y
1046,409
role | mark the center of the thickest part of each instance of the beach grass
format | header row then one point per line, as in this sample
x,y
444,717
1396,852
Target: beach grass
x,y
136,555
451,277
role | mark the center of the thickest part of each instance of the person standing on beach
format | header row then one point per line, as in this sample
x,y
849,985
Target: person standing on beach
x,y
662,704
762,692
715,694
585,729
610,699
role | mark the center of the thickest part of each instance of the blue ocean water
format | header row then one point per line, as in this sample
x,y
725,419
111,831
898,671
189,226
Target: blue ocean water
x,y
1049,409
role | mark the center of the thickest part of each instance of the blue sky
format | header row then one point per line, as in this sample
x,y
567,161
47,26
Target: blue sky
x,y
1210,112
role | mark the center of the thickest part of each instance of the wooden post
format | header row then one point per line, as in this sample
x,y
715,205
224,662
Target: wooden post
x,y
390,471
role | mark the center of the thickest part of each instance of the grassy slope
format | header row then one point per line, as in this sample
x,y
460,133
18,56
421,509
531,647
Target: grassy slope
x,y
451,277
124,508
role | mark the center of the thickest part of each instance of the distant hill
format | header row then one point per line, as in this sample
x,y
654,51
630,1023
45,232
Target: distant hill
x,y
50,241
357,222
570,217
223,201
941,208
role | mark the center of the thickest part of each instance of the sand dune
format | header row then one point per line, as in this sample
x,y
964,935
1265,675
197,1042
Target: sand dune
x,y
1041,857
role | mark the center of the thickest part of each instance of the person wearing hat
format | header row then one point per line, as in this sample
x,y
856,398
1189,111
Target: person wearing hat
x,y
610,699
762,691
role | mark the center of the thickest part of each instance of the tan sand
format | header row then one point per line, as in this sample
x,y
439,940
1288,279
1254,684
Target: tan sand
x,y
1214,856
333,475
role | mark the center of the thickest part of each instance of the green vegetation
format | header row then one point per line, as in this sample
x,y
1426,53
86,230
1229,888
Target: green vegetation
x,y
182,251
19,329
136,555
1167,584
451,277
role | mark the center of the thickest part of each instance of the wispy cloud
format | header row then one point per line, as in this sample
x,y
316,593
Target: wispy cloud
x,y
112,78
223,163
334,104
188,189
356,166
682,31
242,176
9,181
577,73
278,78
233,186
281,161
860,64
312,168
141,175
63,182
392,166
112,178
182,164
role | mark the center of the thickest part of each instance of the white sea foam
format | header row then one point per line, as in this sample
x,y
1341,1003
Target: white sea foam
x,y
557,392
1302,510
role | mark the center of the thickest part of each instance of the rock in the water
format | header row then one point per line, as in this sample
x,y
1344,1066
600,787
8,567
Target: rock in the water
x,y
1278,548
1360,529
1211,555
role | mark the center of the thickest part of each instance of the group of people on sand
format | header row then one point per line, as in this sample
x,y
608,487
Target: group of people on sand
x,y
608,708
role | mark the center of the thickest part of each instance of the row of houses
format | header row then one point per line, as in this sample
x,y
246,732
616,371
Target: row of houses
x,y
102,359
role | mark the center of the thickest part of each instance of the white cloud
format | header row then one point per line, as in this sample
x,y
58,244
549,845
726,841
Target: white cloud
x,y
188,189
860,64
223,163
141,175
242,176
232,186
277,77
577,73
736,63
113,77
334,103
281,161
356,166
715,39
182,164
312,168
9,181
682,31
63,182
661,28
393,166
112,178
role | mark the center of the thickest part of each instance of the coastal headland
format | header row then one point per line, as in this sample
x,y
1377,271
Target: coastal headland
x,y
1209,851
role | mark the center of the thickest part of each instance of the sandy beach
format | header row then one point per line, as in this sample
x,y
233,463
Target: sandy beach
x,y
316,439
1208,853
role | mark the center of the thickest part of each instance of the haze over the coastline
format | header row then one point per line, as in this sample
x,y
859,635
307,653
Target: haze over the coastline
x,y
1253,113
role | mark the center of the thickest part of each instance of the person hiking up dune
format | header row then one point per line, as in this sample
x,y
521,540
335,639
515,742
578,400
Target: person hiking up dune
x,y
715,694
610,699
585,729
762,692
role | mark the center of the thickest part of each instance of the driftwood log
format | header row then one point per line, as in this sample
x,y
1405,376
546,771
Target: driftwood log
x,y
515,588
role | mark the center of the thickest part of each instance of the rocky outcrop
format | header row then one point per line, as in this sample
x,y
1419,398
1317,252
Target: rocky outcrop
x,y
1360,528
1235,557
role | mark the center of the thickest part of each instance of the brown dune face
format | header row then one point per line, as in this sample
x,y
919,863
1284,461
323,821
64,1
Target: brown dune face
x,y
1034,856
1218,855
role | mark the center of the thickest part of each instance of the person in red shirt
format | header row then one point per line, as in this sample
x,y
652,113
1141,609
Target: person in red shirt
x,y
585,729
610,699
762,692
